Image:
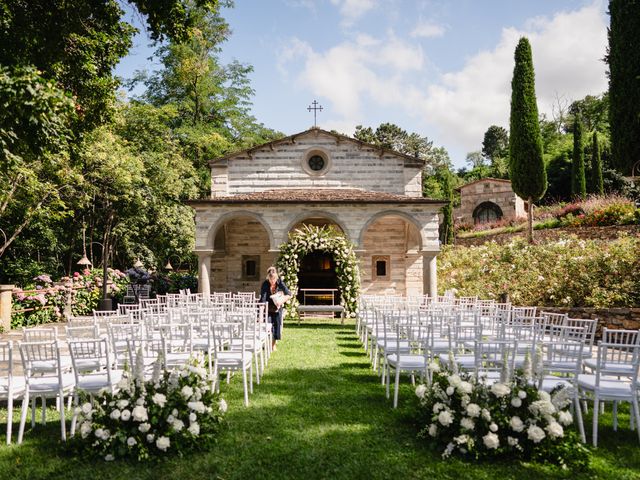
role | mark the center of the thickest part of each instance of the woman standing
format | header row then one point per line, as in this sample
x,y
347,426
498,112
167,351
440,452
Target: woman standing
x,y
270,287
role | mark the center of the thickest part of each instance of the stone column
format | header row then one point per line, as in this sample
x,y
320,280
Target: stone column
x,y
430,273
204,271
6,292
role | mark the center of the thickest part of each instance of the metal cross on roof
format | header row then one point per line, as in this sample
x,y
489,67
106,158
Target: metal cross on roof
x,y
316,108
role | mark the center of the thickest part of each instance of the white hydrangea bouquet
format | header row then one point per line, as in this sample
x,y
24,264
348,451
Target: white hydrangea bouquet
x,y
173,413
510,418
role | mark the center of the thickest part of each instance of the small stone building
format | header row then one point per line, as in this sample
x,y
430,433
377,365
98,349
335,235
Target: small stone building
x,y
372,195
488,200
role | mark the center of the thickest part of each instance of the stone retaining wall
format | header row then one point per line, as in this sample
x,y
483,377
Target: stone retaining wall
x,y
627,318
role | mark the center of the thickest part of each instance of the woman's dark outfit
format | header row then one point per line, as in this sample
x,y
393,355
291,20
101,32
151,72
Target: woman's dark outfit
x,y
275,314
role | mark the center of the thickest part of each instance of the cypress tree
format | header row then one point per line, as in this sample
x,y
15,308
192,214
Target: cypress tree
x,y
597,185
578,180
526,164
623,57
447,211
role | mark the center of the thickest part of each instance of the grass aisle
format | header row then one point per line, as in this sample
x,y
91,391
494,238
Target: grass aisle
x,y
320,413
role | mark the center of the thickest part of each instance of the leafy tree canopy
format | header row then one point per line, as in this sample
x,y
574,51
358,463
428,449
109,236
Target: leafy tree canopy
x,y
77,43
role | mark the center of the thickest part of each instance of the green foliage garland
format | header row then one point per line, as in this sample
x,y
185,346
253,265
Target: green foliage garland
x,y
327,239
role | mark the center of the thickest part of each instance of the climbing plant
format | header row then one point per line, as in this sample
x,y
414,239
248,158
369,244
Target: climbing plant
x,y
326,239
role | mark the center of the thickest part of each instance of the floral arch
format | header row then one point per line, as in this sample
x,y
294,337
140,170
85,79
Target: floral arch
x,y
326,239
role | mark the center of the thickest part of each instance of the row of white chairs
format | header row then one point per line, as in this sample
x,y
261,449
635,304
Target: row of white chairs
x,y
489,339
98,347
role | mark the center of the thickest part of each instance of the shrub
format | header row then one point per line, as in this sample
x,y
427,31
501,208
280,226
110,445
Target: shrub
x,y
45,301
173,282
568,272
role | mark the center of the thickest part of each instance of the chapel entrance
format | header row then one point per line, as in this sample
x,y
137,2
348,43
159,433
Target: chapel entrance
x,y
317,280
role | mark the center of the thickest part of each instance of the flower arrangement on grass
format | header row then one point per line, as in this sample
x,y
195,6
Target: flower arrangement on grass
x,y
324,239
510,419
174,413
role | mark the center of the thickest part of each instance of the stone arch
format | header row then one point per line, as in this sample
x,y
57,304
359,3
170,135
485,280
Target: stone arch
x,y
315,214
393,213
241,253
391,254
213,230
327,239
487,212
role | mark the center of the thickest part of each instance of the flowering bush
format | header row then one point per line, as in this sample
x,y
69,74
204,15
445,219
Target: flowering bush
x,y
569,272
613,214
512,419
174,413
325,239
44,301
173,282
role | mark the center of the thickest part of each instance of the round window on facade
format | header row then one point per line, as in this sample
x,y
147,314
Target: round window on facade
x,y
316,162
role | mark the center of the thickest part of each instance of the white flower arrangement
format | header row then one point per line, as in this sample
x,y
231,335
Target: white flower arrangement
x,y
175,413
326,239
511,419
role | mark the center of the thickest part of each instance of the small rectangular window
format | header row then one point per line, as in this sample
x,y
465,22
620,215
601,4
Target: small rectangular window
x,y
250,267
380,267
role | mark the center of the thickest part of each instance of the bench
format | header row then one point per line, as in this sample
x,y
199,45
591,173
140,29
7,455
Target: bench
x,y
327,305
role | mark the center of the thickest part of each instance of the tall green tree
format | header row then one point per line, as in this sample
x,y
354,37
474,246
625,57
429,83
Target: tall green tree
x,y
578,178
212,100
596,184
447,235
495,143
393,137
78,43
623,57
526,165
36,175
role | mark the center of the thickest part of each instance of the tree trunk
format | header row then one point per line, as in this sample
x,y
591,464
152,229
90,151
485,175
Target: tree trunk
x,y
530,222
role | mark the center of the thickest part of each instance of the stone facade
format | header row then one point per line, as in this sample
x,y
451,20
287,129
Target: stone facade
x,y
372,195
488,193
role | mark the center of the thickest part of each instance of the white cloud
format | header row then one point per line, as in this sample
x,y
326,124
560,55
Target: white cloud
x,y
567,53
387,74
428,29
351,10
380,71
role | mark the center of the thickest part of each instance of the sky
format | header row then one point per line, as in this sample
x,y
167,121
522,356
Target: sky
x,y
441,68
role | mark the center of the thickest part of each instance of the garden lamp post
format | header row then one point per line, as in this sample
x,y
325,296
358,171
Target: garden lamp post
x,y
105,302
170,267
84,262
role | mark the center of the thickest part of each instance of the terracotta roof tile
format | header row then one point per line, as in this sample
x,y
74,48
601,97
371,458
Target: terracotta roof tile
x,y
316,195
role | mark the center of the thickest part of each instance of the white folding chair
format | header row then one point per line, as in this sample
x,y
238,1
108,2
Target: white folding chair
x,y
45,377
233,360
413,361
615,379
11,388
92,369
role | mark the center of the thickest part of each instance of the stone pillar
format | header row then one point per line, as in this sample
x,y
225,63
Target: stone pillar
x,y
204,270
6,292
430,273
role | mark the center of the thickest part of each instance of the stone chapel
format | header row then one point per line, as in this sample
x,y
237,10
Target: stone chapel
x,y
372,195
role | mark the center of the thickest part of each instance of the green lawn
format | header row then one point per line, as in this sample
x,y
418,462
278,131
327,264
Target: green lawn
x,y
320,412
